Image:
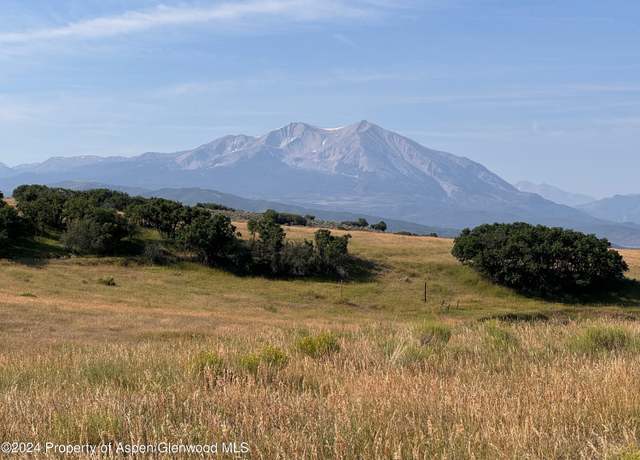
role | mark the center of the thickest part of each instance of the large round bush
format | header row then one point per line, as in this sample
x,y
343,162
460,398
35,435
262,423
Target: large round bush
x,y
540,260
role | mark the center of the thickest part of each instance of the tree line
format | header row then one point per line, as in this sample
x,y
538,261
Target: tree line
x,y
102,222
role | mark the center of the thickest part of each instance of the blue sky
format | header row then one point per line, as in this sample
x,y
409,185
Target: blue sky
x,y
533,89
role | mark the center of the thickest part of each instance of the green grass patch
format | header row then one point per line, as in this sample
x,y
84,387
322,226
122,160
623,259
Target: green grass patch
x,y
595,339
433,334
499,338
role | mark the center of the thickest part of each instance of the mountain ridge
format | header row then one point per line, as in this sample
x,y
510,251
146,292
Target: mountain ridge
x,y
555,194
618,208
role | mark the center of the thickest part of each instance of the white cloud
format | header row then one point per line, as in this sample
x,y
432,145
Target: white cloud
x,y
162,16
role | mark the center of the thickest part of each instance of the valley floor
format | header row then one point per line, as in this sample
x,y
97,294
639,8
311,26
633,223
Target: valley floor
x,y
185,355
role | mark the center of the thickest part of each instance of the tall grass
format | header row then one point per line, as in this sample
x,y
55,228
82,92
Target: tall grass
x,y
467,398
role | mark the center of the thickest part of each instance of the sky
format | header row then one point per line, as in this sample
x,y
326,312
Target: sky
x,y
542,90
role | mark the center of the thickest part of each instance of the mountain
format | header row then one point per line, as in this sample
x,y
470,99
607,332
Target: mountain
x,y
191,196
5,171
618,208
554,194
360,168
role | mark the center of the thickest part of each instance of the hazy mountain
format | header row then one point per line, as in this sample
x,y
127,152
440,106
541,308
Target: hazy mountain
x,y
5,171
618,208
361,168
191,196
554,194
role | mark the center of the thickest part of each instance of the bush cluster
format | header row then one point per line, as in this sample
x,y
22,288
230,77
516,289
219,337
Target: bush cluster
x,y
11,225
318,346
271,254
100,221
540,260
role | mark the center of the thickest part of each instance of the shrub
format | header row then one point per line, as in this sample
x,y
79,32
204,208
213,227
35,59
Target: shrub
x,y
380,226
212,237
42,206
214,207
107,281
602,338
250,363
267,248
332,253
166,216
318,346
433,334
269,357
155,254
208,364
99,231
298,258
11,225
273,357
540,260
360,223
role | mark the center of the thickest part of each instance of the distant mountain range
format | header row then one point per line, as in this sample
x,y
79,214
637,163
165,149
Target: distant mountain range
x,y
555,194
618,208
361,169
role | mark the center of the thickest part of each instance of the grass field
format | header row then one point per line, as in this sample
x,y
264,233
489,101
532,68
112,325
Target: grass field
x,y
317,369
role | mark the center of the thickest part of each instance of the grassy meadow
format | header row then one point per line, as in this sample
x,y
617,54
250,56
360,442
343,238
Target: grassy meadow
x,y
105,350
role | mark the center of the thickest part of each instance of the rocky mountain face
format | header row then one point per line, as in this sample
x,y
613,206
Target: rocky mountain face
x,y
361,168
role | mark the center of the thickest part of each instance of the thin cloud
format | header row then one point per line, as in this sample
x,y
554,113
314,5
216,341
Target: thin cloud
x,y
163,16
345,40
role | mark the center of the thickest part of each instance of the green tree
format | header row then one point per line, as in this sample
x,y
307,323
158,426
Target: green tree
x,y
12,226
97,231
540,260
212,237
380,226
267,248
332,253
42,206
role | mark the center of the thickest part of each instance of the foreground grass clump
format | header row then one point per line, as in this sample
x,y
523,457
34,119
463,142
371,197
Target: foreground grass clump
x,y
107,281
430,334
499,337
208,364
270,357
318,346
596,339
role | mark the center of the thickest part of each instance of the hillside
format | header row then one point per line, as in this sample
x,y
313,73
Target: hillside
x,y
554,194
361,168
618,208
187,354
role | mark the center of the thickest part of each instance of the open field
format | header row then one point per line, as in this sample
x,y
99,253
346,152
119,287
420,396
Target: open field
x,y
186,354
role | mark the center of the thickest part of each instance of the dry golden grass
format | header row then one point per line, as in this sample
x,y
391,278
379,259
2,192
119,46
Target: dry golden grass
x,y
84,362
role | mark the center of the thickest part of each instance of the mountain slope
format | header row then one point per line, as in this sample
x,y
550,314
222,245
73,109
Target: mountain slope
x,y
618,208
554,194
361,168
